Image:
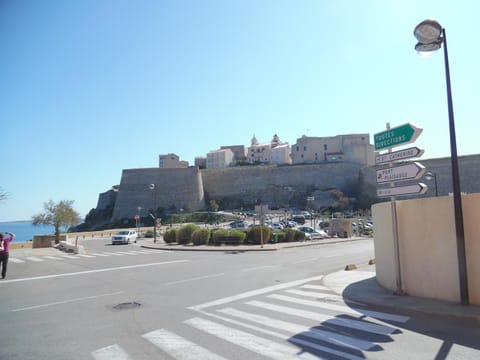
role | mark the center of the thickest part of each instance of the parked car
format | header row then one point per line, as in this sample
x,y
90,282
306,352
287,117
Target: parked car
x,y
314,233
277,226
124,237
239,225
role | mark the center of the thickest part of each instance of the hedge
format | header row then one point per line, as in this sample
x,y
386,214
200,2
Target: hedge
x,y
184,234
201,236
170,236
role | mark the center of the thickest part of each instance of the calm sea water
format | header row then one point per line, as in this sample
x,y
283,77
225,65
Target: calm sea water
x,y
25,230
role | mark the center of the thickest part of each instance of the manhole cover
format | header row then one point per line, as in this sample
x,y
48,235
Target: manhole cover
x,y
127,305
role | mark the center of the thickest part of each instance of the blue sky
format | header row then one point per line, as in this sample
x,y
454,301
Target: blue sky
x,y
90,87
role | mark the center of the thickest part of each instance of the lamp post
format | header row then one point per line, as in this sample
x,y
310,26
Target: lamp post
x,y
154,211
429,176
430,35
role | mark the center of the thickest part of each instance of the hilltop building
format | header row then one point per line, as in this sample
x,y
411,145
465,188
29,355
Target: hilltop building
x,y
273,152
171,161
352,148
219,158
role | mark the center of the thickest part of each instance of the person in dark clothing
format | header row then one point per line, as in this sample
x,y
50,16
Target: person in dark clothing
x,y
4,250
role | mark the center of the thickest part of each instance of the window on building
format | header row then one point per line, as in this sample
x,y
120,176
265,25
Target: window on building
x,y
304,148
325,147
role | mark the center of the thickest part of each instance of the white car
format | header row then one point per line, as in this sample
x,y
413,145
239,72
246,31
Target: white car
x,y
124,237
314,233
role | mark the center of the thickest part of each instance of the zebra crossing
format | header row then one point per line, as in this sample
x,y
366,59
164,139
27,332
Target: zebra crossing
x,y
303,321
61,256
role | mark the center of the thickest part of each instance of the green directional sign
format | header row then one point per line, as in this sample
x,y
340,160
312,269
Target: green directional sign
x,y
400,135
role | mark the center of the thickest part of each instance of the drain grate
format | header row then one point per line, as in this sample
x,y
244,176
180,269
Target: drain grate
x,y
127,305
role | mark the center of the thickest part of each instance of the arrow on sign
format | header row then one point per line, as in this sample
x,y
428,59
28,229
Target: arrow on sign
x,y
398,173
399,155
403,134
420,188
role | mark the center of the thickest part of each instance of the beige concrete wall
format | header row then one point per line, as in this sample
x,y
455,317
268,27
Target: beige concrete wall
x,y
428,247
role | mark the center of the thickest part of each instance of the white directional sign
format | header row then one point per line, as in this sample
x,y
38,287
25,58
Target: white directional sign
x,y
420,188
398,173
399,155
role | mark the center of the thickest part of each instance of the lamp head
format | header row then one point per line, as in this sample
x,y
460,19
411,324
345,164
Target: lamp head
x,y
428,32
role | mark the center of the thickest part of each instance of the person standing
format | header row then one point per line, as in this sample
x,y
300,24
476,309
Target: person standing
x,y
4,252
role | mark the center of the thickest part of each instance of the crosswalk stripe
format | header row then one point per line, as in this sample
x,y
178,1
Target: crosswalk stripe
x,y
315,287
113,253
52,257
248,341
125,253
342,308
100,254
86,256
316,295
112,352
15,260
293,329
69,257
178,347
339,321
33,258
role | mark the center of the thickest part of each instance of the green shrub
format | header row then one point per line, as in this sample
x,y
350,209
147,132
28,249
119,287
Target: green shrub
x,y
149,234
290,235
170,236
278,236
219,236
299,235
184,234
235,237
201,236
254,236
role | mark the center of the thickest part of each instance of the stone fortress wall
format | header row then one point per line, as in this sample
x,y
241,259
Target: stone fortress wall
x,y
290,185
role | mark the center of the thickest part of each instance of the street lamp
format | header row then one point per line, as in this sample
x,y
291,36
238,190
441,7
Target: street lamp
x,y
154,215
430,35
429,176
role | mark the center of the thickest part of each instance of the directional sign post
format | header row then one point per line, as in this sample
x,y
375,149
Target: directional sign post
x,y
400,135
420,188
404,154
399,173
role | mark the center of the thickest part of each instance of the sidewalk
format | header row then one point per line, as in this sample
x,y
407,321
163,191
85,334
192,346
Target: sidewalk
x,y
161,245
361,285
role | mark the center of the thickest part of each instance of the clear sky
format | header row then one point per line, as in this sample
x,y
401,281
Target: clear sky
x,y
91,87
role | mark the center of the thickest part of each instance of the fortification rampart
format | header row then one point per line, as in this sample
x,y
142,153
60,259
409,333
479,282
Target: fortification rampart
x,y
174,189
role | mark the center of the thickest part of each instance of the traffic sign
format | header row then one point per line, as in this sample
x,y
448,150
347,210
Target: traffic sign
x,y
399,173
399,155
420,188
403,134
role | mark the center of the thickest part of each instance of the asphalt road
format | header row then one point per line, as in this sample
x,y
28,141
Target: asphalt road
x,y
125,302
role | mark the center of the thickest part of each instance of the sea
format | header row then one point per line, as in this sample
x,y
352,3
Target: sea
x,y
25,230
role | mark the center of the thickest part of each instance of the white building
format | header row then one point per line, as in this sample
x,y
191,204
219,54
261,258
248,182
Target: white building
x,y
273,152
354,148
219,158
171,161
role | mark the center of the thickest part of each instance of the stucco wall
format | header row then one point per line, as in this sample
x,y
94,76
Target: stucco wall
x,y
427,247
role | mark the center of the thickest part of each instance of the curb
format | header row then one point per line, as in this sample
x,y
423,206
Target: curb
x,y
241,248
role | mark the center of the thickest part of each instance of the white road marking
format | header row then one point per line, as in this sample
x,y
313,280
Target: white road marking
x,y
112,352
254,293
194,279
261,267
91,271
66,301
295,329
52,257
248,341
15,260
113,253
327,319
100,254
342,308
178,347
316,295
85,256
315,287
69,257
33,258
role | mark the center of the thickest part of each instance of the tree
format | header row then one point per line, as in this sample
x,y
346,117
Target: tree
x,y
57,214
3,195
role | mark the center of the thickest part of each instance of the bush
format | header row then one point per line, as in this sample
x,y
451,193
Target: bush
x,y
201,236
299,235
184,234
219,236
170,236
278,236
254,236
149,234
225,237
290,235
